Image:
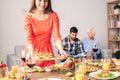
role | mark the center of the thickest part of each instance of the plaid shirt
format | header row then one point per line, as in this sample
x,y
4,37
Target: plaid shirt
x,y
72,48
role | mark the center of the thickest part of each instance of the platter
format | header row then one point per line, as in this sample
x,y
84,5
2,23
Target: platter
x,y
27,69
50,79
50,58
114,75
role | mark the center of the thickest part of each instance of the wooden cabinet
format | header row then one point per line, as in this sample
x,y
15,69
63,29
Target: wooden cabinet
x,y
113,25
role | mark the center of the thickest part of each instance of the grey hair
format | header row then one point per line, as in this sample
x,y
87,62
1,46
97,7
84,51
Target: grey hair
x,y
91,30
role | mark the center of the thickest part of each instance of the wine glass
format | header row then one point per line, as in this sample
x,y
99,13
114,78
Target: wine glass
x,y
31,63
89,56
94,49
23,58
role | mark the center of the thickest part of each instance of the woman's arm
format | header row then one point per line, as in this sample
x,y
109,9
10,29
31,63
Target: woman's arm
x,y
29,34
56,35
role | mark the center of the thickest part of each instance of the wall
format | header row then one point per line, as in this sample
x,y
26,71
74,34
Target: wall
x,y
80,13
83,14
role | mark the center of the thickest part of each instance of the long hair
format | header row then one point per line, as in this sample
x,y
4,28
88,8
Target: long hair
x,y
33,6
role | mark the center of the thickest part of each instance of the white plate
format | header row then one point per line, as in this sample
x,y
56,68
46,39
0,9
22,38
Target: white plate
x,y
93,73
79,55
50,79
24,69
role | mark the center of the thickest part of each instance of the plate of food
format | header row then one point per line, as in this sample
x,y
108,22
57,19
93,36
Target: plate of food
x,y
50,79
27,69
47,56
104,75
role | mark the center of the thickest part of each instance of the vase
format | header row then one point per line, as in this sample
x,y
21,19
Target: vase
x,y
116,11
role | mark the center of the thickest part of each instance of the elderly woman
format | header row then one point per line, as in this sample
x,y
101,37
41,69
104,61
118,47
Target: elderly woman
x,y
90,42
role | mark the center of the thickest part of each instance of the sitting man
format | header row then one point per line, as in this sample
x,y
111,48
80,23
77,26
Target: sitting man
x,y
90,42
71,44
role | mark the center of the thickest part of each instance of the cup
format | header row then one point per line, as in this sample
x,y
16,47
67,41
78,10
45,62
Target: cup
x,y
89,56
15,66
14,69
81,67
79,76
106,64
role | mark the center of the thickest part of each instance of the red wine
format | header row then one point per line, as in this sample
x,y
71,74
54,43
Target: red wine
x,y
30,65
95,49
23,59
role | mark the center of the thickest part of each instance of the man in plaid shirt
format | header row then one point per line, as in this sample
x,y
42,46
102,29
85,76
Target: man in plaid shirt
x,y
71,44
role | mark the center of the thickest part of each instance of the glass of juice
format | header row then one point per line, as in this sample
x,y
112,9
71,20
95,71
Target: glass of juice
x,y
106,64
82,68
14,69
15,66
79,76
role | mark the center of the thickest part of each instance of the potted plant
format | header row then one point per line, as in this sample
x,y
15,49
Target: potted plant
x,y
116,8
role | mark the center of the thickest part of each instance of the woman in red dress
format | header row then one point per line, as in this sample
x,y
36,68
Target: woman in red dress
x,y
39,25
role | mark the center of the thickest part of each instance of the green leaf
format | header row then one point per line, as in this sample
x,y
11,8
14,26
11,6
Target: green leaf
x,y
117,6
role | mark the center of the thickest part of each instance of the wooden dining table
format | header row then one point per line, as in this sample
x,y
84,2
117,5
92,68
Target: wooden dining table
x,y
60,75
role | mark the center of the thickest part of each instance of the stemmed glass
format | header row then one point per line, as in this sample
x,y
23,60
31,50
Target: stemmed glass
x,y
95,49
30,63
23,58
89,57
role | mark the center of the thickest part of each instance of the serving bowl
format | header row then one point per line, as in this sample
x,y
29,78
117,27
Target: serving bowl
x,y
48,68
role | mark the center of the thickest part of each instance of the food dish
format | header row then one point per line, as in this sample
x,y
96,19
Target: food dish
x,y
79,55
27,69
93,74
50,58
50,79
48,68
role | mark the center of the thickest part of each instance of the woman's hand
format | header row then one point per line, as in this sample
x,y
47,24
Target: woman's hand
x,y
30,49
63,53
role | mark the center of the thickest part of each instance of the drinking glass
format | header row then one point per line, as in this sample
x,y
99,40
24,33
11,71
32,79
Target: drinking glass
x,y
80,70
89,56
15,65
81,67
79,76
23,58
95,49
30,63
106,63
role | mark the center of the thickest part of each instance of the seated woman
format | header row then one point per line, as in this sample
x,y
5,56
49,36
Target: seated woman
x,y
90,42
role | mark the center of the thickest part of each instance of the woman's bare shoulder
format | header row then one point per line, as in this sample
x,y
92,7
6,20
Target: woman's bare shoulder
x,y
28,14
